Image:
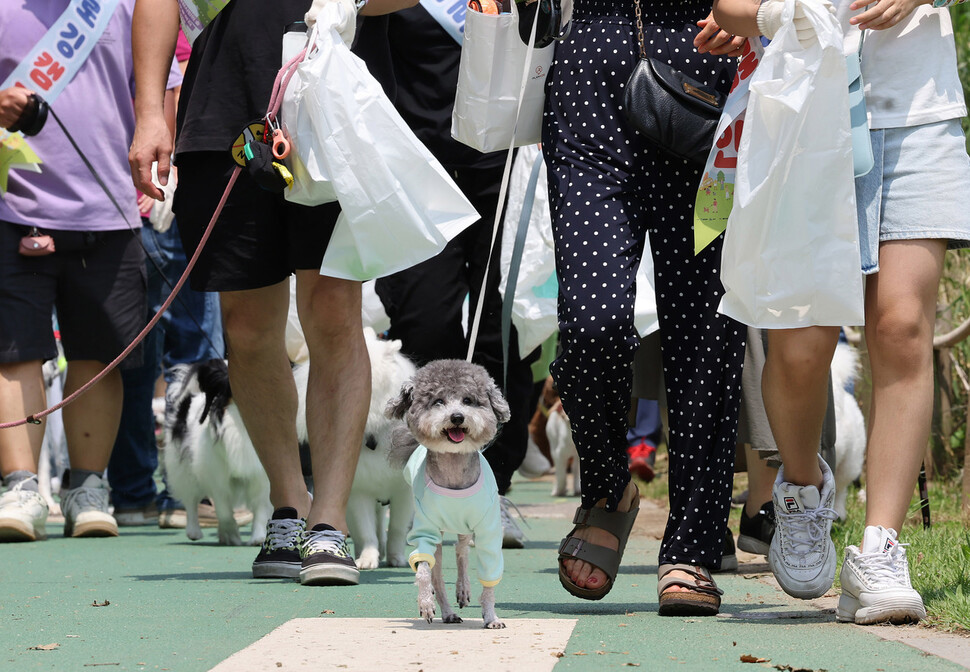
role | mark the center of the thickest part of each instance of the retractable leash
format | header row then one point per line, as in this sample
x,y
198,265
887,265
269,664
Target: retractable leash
x,y
279,86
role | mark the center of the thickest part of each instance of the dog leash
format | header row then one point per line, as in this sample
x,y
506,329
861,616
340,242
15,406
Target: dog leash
x,y
279,86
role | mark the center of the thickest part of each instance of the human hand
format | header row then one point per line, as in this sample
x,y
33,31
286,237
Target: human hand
x,y
12,104
770,21
152,142
883,13
348,17
715,41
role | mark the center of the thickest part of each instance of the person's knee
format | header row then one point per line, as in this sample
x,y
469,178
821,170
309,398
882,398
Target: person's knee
x,y
804,359
899,334
246,333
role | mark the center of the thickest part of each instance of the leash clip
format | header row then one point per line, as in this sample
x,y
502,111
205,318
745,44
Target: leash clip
x,y
278,140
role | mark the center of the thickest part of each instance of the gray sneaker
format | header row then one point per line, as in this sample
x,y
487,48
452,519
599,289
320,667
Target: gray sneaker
x,y
23,514
512,535
85,510
801,554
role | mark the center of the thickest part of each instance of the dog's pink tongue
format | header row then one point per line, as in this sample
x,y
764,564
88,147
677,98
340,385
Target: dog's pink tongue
x,y
456,435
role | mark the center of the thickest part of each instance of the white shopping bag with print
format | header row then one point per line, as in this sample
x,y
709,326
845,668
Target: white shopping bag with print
x,y
398,205
492,80
791,248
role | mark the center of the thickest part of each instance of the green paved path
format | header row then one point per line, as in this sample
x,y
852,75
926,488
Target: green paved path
x,y
185,606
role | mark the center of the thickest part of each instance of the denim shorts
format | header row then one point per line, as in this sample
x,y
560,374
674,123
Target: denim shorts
x,y
916,190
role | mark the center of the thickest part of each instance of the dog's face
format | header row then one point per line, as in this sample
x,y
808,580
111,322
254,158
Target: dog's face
x,y
451,406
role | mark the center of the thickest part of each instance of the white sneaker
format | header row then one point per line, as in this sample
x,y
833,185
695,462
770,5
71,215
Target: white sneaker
x,y
85,510
534,464
801,554
512,535
23,514
875,582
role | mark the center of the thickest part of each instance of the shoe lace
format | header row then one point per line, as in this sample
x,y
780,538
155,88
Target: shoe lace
x,y
283,533
325,541
881,568
804,530
86,498
507,521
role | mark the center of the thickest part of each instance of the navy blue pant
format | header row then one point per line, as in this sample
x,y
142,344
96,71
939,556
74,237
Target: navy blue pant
x,y
608,189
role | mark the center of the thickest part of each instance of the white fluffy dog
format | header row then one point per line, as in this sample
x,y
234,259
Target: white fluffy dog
x,y
453,409
562,448
376,484
850,439
208,452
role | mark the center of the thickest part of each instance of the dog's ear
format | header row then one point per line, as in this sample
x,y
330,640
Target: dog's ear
x,y
500,407
399,405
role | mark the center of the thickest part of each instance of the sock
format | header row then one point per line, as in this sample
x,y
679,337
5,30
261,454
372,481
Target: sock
x,y
78,476
15,477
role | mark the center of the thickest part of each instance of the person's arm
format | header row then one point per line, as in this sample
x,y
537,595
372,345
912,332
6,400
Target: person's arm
x,y
738,17
887,13
154,30
12,104
378,7
712,39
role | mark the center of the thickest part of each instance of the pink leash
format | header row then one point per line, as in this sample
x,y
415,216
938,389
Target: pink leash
x,y
279,87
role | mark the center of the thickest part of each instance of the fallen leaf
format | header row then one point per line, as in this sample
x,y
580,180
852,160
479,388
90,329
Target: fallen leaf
x,y
557,654
632,664
622,625
100,604
326,611
43,647
580,653
747,658
601,653
279,664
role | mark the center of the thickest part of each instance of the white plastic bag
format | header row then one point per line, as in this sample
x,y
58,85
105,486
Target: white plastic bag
x,y
791,248
311,182
398,205
490,84
535,305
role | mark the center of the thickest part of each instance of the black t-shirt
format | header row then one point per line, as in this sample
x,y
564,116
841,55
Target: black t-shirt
x,y
425,60
230,76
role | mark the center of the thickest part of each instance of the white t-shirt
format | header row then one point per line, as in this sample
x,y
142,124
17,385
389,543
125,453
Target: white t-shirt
x,y
910,70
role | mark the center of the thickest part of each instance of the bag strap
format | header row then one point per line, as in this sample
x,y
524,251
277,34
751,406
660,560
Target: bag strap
x,y
517,249
503,190
636,10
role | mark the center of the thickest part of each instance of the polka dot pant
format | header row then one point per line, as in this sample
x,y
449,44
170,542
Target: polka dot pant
x,y
608,189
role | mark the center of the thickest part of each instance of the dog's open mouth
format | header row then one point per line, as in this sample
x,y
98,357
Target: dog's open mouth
x,y
455,434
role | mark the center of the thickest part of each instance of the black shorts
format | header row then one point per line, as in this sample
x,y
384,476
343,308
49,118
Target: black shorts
x,y
260,237
95,280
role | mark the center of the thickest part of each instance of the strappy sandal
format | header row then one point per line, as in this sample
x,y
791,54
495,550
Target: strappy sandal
x,y
617,523
702,597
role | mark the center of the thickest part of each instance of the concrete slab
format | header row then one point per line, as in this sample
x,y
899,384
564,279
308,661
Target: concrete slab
x,y
405,644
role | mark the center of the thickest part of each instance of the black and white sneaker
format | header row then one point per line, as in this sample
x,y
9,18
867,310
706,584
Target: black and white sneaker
x,y
326,558
757,530
279,556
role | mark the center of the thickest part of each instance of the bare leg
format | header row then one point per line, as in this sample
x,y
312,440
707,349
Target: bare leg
x,y
263,387
795,390
760,479
900,316
21,393
91,421
338,389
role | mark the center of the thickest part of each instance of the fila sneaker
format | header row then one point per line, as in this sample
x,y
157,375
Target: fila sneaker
x,y
801,554
875,582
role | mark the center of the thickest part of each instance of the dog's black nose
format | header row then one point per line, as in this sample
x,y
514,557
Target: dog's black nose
x,y
457,418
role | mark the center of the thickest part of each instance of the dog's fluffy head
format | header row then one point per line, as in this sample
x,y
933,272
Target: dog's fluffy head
x,y
209,379
451,405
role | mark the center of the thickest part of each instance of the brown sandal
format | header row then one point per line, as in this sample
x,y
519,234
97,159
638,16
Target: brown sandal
x,y
617,523
703,597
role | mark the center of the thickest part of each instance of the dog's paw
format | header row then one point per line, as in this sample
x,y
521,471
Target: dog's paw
x,y
397,560
370,558
230,539
463,592
495,625
257,540
558,492
426,607
451,618
193,533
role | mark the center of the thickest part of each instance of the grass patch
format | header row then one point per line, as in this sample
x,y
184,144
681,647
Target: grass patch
x,y
939,558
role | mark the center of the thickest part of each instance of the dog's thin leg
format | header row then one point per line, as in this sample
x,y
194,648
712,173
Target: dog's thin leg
x,y
399,522
488,609
192,528
362,521
422,577
463,588
448,614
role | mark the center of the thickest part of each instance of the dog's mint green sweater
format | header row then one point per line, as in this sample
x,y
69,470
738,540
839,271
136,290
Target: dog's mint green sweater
x,y
474,510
